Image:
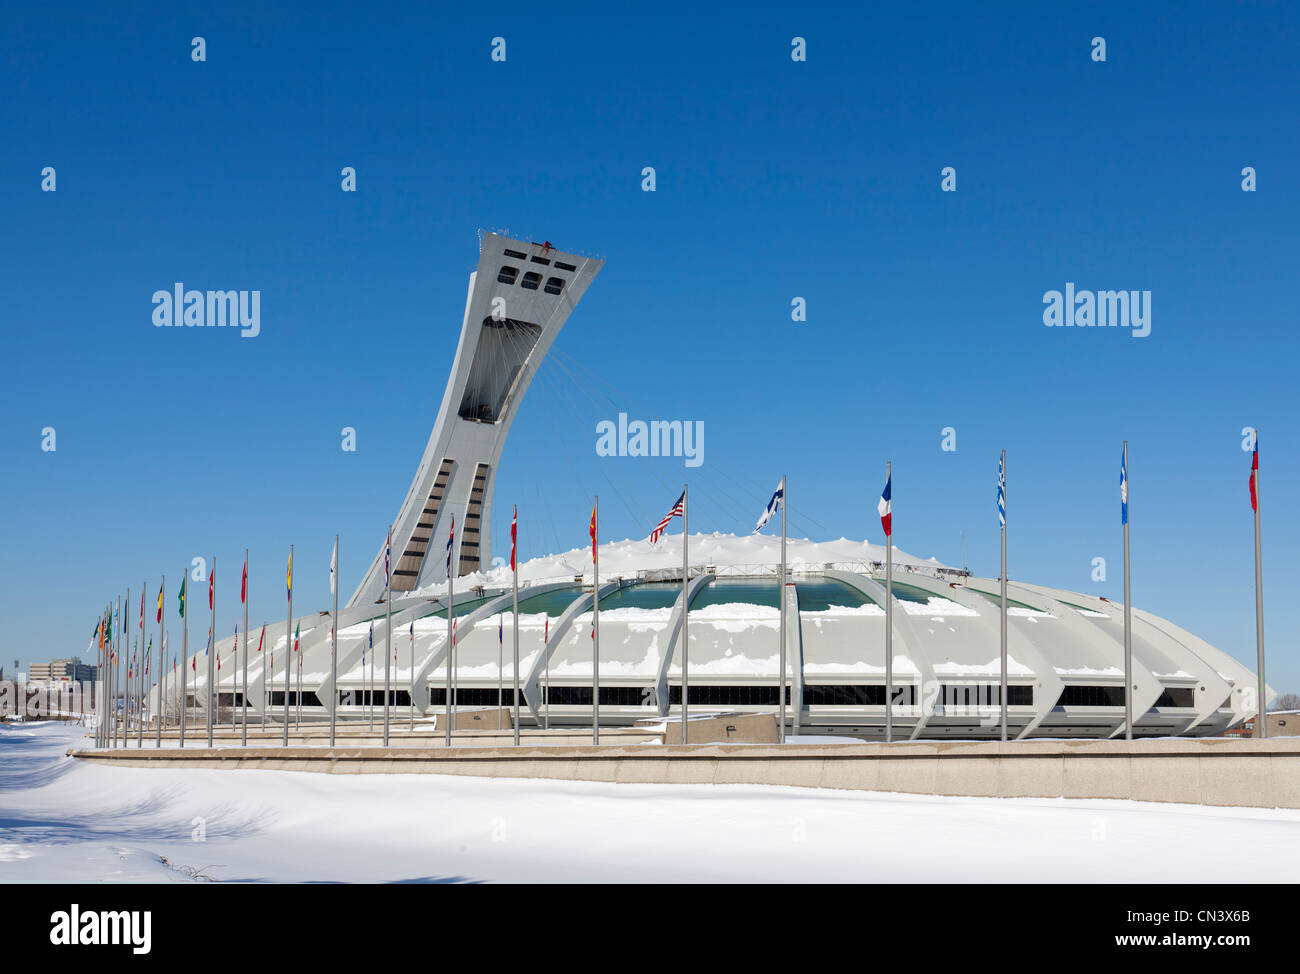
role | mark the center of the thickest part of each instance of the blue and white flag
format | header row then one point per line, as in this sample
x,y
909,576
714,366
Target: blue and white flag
x,y
1123,488
1002,492
450,537
774,505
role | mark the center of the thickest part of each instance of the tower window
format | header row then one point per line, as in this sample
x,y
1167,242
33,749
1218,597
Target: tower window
x,y
531,280
541,260
507,274
562,266
554,285
516,254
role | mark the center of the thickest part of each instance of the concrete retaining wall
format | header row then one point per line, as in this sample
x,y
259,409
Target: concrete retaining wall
x,y
1262,774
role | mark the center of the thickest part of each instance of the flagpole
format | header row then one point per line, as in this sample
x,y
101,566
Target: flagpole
x,y
288,647
388,628
780,591
126,683
334,641
139,680
514,590
1261,719
451,605
1003,645
1128,622
243,702
686,611
889,614
185,658
595,621
212,644
158,673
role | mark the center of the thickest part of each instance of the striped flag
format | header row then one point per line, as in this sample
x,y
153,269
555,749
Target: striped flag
x,y
676,511
1254,472
451,537
212,589
160,600
388,576
299,626
514,524
1002,492
1123,488
180,601
592,531
334,568
774,505
885,506
288,579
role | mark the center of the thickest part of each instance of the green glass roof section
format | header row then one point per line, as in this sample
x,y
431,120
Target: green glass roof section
x,y
820,594
647,595
750,591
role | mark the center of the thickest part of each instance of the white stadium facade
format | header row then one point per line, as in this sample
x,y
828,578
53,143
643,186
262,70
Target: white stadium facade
x,y
1065,649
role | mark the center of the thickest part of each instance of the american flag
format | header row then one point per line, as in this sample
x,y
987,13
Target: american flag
x,y
677,511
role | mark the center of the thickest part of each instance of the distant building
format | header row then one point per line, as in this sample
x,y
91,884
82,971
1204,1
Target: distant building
x,y
61,671
1281,723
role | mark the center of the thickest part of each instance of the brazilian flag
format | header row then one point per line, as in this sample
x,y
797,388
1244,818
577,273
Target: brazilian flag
x,y
180,597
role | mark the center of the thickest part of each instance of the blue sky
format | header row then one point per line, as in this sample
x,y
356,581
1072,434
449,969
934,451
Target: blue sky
x,y
775,179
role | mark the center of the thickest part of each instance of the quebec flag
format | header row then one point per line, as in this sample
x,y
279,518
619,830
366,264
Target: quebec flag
x,y
774,505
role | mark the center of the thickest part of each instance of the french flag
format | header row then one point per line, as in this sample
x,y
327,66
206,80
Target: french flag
x,y
884,507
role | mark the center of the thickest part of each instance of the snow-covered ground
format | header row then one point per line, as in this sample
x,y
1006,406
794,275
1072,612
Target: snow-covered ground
x,y
61,820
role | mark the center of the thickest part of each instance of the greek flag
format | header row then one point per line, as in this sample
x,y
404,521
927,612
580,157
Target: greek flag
x,y
1123,488
774,505
1002,492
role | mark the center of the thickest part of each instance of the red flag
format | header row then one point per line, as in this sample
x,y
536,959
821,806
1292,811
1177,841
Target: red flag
x,y
212,582
1254,472
243,585
592,531
514,523
261,637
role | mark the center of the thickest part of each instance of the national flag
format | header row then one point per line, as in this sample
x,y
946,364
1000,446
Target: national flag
x,y
142,607
371,643
243,584
299,626
180,599
288,578
388,575
676,511
212,589
451,535
500,636
261,637
208,647
514,524
453,632
592,531
885,506
160,600
1002,492
774,505
334,568
147,654
1123,488
99,633
1254,472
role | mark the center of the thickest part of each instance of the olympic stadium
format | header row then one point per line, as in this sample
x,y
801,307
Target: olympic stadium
x,y
1065,649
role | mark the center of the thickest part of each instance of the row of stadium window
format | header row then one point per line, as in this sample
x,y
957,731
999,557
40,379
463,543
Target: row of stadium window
x,y
754,695
531,279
